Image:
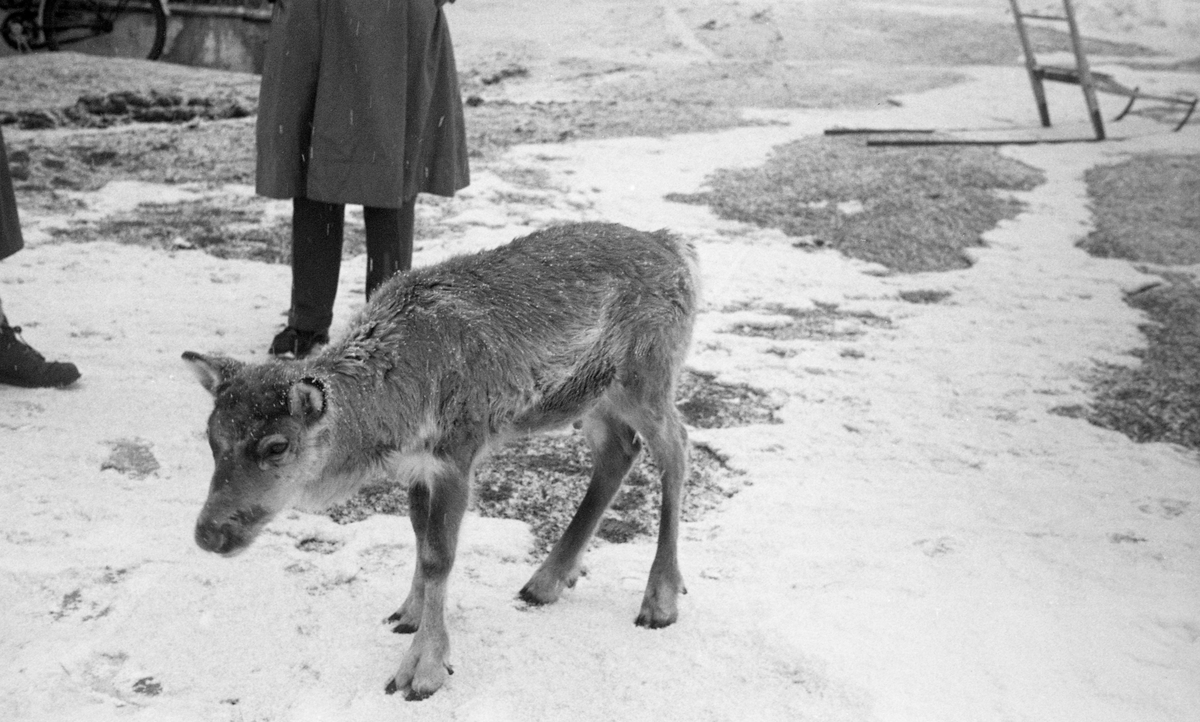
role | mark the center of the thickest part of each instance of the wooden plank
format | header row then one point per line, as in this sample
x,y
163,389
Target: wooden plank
x,y
963,140
872,131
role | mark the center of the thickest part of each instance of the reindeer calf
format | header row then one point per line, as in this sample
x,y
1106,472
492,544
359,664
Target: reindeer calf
x,y
587,322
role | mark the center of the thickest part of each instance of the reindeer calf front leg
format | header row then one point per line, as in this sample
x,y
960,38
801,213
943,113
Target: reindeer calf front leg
x,y
408,617
436,508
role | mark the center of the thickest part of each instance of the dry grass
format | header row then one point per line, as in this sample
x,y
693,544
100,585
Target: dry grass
x,y
541,479
45,163
924,296
1146,210
233,227
53,81
823,322
920,207
710,404
1158,400
226,230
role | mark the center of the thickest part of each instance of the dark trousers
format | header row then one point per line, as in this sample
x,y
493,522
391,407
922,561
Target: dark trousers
x,y
317,255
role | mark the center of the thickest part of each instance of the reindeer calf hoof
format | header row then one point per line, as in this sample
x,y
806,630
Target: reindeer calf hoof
x,y
539,594
409,695
533,598
404,626
659,607
545,587
414,692
655,621
419,684
423,670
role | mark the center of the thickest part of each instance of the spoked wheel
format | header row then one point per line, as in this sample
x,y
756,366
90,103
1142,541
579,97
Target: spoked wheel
x,y
21,31
116,28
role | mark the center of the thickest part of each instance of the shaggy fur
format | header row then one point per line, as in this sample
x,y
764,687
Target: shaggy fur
x,y
582,323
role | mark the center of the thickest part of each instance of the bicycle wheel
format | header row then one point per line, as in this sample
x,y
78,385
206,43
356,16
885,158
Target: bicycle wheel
x,y
115,28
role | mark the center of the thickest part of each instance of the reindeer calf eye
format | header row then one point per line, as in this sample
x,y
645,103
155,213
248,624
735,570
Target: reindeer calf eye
x,y
273,446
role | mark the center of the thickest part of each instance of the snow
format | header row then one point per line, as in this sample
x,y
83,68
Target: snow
x,y
918,540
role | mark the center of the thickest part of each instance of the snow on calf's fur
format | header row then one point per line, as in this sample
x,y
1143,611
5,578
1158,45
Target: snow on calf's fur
x,y
587,322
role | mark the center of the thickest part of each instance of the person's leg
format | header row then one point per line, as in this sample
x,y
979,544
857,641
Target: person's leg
x,y
316,262
389,242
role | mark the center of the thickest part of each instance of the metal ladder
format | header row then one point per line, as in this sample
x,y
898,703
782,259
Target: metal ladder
x,y
1080,75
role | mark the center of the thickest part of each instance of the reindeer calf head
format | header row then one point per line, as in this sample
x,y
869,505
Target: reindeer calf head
x,y
261,431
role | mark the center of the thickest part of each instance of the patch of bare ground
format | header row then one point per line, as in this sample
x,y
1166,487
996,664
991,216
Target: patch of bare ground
x,y
103,110
541,479
1145,210
47,163
1159,399
910,209
823,322
494,126
233,227
54,81
924,296
710,404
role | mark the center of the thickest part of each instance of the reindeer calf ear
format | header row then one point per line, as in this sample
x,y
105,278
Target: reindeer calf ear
x,y
306,399
211,371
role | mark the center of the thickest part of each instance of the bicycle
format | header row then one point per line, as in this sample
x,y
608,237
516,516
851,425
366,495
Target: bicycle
x,y
124,28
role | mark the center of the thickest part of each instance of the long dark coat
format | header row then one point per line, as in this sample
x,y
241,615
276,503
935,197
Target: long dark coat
x,y
360,103
10,225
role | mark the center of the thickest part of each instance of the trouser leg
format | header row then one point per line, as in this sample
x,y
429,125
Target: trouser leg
x,y
316,261
389,242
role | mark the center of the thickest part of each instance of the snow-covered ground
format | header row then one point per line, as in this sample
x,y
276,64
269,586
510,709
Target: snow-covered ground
x,y
918,540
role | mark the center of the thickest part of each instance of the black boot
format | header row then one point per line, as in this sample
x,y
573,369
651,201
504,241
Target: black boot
x,y
20,365
295,343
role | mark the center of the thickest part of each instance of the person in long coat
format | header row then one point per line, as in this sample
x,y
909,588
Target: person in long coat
x,y
359,104
20,364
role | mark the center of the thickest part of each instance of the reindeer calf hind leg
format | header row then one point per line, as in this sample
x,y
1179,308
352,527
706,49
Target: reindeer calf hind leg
x,y
667,439
614,449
